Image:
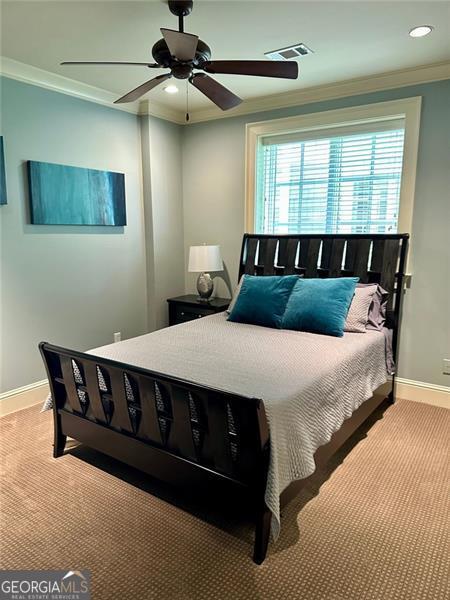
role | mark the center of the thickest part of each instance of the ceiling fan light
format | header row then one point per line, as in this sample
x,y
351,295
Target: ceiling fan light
x,y
171,89
420,31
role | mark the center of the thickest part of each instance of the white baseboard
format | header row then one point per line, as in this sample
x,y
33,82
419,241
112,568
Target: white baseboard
x,y
418,391
23,397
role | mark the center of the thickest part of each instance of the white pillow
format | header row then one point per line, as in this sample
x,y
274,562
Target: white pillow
x,y
358,313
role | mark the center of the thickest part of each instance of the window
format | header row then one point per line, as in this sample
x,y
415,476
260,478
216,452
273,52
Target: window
x,y
334,173
343,184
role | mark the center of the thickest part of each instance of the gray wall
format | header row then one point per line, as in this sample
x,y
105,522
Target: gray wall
x,y
213,196
163,201
73,286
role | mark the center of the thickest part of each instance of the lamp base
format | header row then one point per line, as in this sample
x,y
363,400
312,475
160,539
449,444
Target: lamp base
x,y
205,286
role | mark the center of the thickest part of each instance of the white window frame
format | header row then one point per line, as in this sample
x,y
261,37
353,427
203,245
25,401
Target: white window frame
x,y
407,109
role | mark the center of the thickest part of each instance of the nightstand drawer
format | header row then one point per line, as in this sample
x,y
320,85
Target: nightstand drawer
x,y
188,308
189,313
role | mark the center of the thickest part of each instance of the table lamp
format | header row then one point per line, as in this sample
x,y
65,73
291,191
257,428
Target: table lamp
x,y
203,259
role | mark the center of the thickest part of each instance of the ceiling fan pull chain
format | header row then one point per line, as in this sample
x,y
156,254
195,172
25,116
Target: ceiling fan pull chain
x,y
187,100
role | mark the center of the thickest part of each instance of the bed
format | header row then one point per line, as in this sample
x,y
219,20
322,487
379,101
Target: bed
x,y
235,406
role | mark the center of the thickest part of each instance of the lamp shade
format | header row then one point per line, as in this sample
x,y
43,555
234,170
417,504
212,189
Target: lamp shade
x,y
204,258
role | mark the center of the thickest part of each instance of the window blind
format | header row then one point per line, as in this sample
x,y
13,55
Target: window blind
x,y
335,182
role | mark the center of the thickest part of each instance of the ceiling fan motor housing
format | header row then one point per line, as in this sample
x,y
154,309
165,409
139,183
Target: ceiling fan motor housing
x,y
180,8
162,56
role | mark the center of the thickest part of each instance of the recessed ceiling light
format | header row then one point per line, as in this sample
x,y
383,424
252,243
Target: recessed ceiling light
x,y
420,31
171,89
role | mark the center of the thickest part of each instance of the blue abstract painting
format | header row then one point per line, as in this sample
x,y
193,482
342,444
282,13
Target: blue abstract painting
x,y
62,195
3,199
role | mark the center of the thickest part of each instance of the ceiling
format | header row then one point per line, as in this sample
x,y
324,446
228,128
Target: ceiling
x,y
350,39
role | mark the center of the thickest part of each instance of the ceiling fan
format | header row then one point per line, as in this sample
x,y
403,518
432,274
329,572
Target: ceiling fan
x,y
182,53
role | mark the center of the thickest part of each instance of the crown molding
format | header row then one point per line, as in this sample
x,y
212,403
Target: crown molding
x,y
58,83
340,89
352,87
19,71
155,109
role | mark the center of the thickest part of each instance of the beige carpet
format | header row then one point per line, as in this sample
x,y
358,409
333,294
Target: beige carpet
x,y
374,528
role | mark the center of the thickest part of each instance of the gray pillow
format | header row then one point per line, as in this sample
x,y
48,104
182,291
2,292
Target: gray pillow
x,y
358,313
377,311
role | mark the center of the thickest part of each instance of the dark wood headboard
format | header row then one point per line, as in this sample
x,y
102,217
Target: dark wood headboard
x,y
374,258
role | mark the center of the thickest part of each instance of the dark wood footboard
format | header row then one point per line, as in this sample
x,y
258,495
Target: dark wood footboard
x,y
174,430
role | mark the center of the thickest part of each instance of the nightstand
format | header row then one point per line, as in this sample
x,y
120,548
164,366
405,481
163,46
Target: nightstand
x,y
189,307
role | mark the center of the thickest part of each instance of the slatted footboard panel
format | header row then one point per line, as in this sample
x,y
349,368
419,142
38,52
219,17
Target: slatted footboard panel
x,y
209,428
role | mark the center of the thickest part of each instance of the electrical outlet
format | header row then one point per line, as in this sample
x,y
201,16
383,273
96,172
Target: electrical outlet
x,y
117,336
446,366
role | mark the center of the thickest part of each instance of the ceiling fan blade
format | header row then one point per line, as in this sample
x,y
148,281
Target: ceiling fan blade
x,y
143,64
181,45
215,91
260,68
143,89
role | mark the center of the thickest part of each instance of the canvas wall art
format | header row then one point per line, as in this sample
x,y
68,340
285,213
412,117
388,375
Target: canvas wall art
x,y
63,195
3,199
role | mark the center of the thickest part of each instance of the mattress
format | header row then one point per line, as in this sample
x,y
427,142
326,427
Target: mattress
x,y
309,383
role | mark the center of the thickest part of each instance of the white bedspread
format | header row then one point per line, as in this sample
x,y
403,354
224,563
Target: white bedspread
x,y
309,383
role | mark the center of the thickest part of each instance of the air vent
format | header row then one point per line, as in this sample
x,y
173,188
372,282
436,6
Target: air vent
x,y
289,52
